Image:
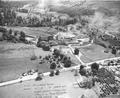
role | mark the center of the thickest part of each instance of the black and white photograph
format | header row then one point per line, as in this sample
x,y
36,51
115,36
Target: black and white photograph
x,y
59,48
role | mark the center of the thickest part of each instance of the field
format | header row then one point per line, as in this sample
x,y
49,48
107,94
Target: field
x,y
35,31
15,59
94,53
49,87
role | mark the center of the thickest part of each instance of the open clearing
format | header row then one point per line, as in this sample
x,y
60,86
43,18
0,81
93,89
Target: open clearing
x,y
15,59
94,53
49,87
35,31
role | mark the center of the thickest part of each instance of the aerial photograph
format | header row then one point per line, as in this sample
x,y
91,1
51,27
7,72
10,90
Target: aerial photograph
x,y
59,48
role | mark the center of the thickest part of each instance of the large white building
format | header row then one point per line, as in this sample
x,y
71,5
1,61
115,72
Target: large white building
x,y
64,35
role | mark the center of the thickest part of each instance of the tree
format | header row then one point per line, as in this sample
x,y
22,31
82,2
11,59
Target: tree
x,y
51,73
64,59
47,57
39,39
94,68
92,33
10,31
114,51
40,43
15,33
9,34
19,20
76,51
46,47
62,56
67,63
53,65
22,36
38,78
50,38
57,72
5,36
33,57
82,71
56,53
83,96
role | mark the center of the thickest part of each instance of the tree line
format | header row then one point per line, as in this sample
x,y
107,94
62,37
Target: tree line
x,y
12,36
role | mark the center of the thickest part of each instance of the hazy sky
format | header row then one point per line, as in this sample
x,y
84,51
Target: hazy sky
x,y
62,0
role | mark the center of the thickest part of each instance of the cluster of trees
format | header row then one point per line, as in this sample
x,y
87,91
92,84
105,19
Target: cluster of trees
x,y
52,73
62,58
113,43
13,36
7,16
45,42
104,40
44,45
44,21
94,70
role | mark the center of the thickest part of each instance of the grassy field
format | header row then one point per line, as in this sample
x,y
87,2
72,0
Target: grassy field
x,y
35,31
49,87
15,59
93,53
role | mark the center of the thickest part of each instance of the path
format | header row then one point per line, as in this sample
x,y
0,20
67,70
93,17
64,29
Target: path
x,y
77,56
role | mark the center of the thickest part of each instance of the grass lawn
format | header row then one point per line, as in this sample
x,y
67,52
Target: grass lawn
x,y
73,59
35,31
93,53
15,59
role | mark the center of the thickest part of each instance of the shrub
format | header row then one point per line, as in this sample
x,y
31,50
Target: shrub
x,y
56,53
46,47
53,65
38,78
51,73
57,72
67,63
82,72
40,57
114,51
33,57
95,68
76,51
22,36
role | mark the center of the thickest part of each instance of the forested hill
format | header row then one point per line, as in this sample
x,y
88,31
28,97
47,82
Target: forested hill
x,y
14,4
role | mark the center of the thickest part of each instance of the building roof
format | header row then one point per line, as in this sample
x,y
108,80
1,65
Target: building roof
x,y
65,34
